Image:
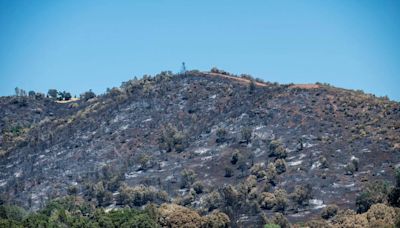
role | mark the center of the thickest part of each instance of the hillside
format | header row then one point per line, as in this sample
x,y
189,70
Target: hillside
x,y
202,140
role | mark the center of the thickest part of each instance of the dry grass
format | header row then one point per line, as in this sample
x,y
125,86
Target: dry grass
x,y
305,86
69,101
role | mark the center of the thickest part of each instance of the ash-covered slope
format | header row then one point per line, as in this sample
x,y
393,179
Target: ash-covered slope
x,y
207,141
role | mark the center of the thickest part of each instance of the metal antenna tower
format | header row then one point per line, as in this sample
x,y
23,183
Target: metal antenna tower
x,y
183,68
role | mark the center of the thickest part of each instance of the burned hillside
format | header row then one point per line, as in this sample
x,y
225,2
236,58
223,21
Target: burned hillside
x,y
205,141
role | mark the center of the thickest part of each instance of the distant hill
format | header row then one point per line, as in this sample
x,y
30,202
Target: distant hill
x,y
204,140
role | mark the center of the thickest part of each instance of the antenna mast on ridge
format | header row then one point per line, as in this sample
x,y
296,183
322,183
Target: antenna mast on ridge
x,y
183,68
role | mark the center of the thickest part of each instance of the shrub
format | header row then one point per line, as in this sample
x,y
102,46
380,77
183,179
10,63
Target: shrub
x,y
188,178
235,158
212,200
281,200
11,212
186,199
301,194
72,190
317,224
352,167
145,162
349,169
324,162
198,187
394,194
246,134
258,170
329,211
250,182
140,195
230,195
271,173
75,212
216,219
397,176
172,139
242,165
87,95
349,218
219,71
280,166
373,193
221,135
252,86
267,200
380,214
394,197
172,215
67,96
271,225
52,93
277,149
280,220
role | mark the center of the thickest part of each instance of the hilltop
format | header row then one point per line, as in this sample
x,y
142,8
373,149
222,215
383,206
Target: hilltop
x,y
203,140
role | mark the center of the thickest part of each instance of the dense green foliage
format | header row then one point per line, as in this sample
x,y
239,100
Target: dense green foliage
x,y
74,212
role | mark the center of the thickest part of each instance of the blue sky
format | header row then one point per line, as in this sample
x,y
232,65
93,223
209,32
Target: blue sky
x,y
80,45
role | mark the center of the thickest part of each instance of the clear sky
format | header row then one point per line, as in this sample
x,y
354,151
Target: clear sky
x,y
77,45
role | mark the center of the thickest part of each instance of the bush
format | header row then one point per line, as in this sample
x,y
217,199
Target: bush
x,y
316,224
373,193
277,149
140,195
380,214
145,162
172,139
11,212
235,158
230,195
271,225
258,170
75,212
280,220
52,93
172,215
281,200
246,134
271,173
394,195
397,176
329,211
267,200
87,95
252,86
301,194
349,218
280,166
216,219
198,187
324,162
188,178
212,200
221,135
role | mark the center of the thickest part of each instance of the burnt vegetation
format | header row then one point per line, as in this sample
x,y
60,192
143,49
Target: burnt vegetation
x,y
213,149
